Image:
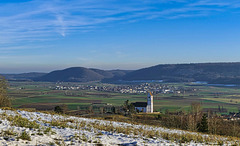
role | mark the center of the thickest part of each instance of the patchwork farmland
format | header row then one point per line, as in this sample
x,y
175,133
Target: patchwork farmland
x,y
43,96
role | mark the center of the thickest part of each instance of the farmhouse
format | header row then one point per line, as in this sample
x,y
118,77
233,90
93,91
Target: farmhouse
x,y
146,107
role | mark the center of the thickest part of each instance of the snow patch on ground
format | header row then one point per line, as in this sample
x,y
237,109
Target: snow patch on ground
x,y
78,131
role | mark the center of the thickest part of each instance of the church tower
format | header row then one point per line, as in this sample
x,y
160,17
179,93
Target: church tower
x,y
149,103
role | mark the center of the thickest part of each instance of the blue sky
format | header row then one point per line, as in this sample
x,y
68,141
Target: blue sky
x,y
39,35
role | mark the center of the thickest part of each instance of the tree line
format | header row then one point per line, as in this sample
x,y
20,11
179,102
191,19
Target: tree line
x,y
197,121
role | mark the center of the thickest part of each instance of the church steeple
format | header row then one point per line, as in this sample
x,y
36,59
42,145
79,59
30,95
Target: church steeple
x,y
149,103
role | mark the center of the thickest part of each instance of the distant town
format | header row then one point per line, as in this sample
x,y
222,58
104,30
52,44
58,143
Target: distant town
x,y
130,89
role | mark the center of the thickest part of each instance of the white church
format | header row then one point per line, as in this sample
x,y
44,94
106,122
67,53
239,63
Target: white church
x,y
146,107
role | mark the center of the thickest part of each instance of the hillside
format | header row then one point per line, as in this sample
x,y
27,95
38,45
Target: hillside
x,y
217,73
23,76
79,74
74,74
36,128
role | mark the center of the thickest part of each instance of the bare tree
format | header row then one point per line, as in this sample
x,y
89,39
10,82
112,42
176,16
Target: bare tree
x,y
195,116
196,108
5,100
101,110
90,109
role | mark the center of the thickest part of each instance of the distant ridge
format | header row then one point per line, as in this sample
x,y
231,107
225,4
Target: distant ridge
x,y
23,76
217,73
78,74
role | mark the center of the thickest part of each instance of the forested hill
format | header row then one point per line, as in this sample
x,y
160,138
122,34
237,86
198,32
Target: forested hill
x,y
80,74
217,73
23,76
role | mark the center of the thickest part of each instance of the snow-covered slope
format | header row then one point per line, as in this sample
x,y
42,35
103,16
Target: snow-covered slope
x,y
35,128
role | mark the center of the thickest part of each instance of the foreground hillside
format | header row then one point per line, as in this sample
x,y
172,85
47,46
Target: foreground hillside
x,y
36,128
217,73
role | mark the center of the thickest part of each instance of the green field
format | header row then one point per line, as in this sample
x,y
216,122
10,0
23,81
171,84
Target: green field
x,y
42,96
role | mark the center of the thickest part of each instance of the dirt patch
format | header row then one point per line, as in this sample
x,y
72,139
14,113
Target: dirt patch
x,y
78,101
215,110
100,94
173,98
40,106
22,94
143,97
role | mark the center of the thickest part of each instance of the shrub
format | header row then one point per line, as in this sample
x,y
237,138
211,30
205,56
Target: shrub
x,y
203,125
62,109
47,130
8,132
58,123
25,136
58,110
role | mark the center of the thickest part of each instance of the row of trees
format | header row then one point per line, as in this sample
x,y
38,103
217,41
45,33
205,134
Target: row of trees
x,y
196,120
207,124
126,109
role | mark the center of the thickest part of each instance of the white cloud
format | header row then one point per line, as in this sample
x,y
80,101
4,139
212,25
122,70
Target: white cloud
x,y
39,20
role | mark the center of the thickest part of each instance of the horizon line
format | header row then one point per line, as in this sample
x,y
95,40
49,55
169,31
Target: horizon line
x,y
119,68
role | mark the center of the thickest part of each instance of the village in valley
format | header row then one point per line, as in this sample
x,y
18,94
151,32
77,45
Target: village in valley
x,y
132,88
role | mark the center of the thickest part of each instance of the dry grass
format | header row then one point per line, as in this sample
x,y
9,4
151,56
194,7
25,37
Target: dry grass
x,y
22,122
98,126
25,136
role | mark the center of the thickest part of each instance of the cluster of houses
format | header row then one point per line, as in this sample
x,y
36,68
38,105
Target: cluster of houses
x,y
132,89
232,116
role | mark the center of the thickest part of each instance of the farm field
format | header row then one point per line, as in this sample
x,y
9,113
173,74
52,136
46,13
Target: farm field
x,y
43,96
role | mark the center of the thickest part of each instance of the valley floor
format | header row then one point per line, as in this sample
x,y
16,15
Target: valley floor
x,y
36,128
